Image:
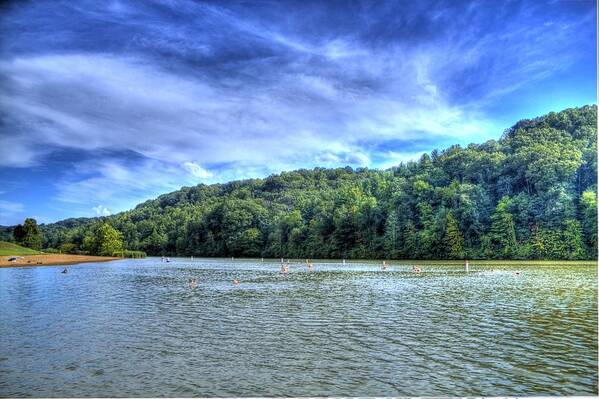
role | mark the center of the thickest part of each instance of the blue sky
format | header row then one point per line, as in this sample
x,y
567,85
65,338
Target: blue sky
x,y
105,104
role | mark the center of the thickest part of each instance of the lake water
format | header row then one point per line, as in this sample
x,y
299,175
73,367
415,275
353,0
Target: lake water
x,y
133,328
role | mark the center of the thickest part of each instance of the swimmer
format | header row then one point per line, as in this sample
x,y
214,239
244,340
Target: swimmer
x,y
284,267
416,269
235,282
65,271
517,274
384,266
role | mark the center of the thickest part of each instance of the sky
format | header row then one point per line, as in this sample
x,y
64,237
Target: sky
x,y
105,104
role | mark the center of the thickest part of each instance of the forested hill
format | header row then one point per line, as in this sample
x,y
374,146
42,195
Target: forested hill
x,y
531,194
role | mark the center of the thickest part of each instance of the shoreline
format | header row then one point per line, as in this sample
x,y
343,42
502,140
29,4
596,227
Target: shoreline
x,y
443,262
52,260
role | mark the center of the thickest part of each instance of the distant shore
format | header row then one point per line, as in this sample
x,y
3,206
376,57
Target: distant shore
x,y
51,259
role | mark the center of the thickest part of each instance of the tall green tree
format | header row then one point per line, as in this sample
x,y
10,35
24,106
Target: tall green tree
x,y
28,234
573,247
588,204
104,240
454,238
502,237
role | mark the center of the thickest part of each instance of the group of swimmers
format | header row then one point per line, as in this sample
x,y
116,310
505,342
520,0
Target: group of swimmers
x,y
285,265
192,282
415,269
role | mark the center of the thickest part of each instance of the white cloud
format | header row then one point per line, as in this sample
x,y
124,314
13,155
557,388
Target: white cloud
x,y
101,210
196,170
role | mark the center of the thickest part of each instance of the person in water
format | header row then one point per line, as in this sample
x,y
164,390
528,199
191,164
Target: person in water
x,y
235,282
65,271
384,266
416,269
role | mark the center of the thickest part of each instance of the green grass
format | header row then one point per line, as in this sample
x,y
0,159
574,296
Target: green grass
x,y
8,248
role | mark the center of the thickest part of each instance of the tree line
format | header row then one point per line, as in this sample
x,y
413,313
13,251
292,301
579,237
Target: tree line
x,y
532,194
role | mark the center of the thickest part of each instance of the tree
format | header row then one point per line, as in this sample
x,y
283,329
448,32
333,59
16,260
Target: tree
x,y
390,238
537,244
588,204
246,243
104,240
502,237
29,234
18,233
573,247
454,238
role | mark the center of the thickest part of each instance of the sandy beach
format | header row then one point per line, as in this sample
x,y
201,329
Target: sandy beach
x,y
51,259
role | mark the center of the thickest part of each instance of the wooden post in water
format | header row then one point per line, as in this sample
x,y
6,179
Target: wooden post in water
x,y
466,268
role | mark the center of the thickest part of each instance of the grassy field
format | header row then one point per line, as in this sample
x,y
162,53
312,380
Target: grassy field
x,y
8,248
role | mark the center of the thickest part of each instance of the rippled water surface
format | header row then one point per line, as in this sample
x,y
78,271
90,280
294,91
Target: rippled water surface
x,y
133,328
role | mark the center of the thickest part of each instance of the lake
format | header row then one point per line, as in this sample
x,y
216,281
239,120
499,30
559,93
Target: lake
x,y
134,328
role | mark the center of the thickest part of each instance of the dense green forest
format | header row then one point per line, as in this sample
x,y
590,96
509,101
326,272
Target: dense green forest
x,y
530,195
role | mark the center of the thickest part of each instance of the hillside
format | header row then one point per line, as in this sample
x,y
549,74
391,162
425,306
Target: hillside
x,y
8,248
531,195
